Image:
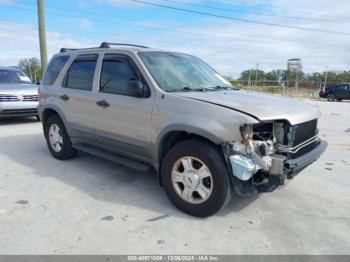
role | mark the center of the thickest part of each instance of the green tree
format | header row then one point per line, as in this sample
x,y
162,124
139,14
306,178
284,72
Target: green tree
x,y
253,74
31,67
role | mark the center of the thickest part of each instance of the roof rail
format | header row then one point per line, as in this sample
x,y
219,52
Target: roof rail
x,y
62,50
103,45
107,45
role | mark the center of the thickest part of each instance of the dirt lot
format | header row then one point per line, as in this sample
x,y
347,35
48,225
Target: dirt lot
x,y
91,206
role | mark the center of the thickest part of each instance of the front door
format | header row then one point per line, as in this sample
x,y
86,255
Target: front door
x,y
123,120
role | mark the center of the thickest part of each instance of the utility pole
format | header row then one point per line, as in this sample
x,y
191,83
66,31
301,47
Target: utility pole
x,y
325,78
256,74
249,80
42,35
297,72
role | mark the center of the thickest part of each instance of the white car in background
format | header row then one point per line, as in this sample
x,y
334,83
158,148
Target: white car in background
x,y
18,95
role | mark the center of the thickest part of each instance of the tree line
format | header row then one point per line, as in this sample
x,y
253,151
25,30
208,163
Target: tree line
x,y
280,77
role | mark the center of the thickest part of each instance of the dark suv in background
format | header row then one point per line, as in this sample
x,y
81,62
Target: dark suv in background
x,y
336,92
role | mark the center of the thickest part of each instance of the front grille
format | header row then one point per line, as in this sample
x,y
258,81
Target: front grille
x,y
15,98
30,98
300,133
8,98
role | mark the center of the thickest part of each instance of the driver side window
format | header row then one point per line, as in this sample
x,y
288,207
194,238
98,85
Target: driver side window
x,y
116,73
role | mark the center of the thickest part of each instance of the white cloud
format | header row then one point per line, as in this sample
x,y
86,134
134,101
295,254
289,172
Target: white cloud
x,y
85,23
21,41
229,46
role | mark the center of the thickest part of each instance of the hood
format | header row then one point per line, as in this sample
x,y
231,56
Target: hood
x,y
18,89
261,106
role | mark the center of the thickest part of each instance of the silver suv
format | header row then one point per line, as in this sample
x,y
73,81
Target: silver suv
x,y
144,107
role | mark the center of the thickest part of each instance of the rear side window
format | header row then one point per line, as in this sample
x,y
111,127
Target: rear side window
x,y
116,73
81,73
54,68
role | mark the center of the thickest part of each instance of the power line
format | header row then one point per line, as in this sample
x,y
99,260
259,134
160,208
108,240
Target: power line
x,y
240,19
256,13
244,39
280,7
79,11
146,41
76,17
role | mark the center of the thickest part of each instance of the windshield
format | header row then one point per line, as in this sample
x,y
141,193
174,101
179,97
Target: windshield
x,y
13,77
175,72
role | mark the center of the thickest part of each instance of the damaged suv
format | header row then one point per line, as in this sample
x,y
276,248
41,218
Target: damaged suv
x,y
143,107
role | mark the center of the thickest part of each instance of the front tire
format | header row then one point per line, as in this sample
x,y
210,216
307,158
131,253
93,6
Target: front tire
x,y
195,178
57,139
331,97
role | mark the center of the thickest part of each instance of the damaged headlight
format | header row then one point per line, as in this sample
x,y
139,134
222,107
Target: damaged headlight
x,y
243,167
253,153
246,132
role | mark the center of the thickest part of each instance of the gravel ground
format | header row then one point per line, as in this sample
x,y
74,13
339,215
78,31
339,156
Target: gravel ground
x,y
88,205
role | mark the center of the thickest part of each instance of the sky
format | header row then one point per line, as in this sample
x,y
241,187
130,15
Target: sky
x,y
232,36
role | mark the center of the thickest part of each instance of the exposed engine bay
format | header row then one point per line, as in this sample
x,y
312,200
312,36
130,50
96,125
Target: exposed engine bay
x,y
262,160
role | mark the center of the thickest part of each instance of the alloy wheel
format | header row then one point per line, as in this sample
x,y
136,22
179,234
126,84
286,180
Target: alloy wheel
x,y
55,138
192,180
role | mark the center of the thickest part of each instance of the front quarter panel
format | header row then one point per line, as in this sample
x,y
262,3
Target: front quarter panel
x,y
175,113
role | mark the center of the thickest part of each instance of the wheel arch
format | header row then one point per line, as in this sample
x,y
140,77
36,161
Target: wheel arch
x,y
48,112
171,137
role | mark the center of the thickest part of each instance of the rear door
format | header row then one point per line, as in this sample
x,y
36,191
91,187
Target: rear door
x,y
124,124
337,90
76,97
341,93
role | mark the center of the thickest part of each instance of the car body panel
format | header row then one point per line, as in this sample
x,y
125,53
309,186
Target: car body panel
x,y
263,106
173,112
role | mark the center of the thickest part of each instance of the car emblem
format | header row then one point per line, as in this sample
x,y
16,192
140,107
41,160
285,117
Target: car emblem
x,y
20,98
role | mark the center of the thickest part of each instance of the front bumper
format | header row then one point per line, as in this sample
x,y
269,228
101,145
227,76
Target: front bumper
x,y
269,183
24,108
294,166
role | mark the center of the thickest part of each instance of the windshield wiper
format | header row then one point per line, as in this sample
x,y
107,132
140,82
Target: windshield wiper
x,y
223,88
190,89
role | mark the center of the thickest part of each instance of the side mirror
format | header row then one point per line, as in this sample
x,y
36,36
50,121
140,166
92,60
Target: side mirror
x,y
137,89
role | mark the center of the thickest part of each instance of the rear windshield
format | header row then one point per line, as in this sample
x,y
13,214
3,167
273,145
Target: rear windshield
x,y
13,77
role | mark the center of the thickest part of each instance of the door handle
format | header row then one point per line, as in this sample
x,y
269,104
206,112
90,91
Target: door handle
x,y
64,97
102,103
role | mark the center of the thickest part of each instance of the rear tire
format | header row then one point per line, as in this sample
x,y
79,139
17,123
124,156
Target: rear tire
x,y
195,178
57,139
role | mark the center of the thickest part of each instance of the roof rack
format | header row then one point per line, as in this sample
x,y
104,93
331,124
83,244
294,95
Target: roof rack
x,y
62,50
103,45
107,45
